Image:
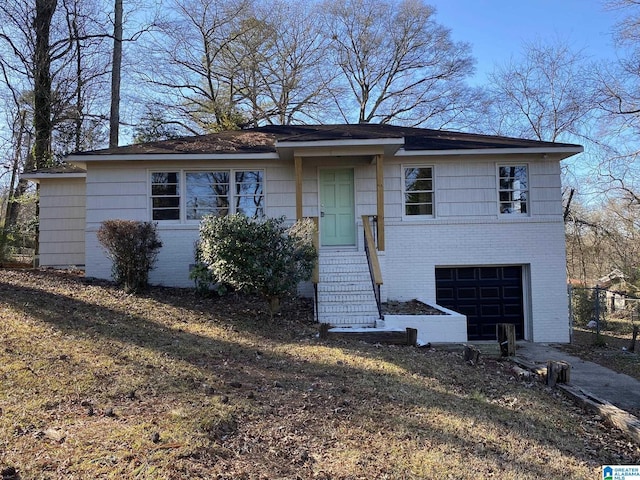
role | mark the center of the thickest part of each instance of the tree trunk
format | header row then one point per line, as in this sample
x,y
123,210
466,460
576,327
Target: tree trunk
x,y
42,122
114,121
15,191
79,90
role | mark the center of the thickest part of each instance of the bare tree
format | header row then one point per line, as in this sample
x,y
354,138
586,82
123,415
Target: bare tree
x,y
247,62
297,90
604,238
46,79
278,62
73,84
195,85
397,63
619,101
18,147
620,82
546,94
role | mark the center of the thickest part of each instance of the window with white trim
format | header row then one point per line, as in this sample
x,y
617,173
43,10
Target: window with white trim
x,y
418,191
165,195
513,189
190,195
249,194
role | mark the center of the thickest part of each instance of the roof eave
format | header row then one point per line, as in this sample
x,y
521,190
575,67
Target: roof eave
x,y
170,157
563,152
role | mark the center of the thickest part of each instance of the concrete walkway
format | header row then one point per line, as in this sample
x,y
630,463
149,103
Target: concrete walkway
x,y
618,389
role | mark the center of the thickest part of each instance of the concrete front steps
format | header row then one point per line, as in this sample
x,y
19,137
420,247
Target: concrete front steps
x,y
347,306
345,293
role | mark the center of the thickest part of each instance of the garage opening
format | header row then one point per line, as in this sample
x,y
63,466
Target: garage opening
x,y
486,295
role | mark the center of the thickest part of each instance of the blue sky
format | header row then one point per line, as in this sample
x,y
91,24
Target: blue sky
x,y
496,29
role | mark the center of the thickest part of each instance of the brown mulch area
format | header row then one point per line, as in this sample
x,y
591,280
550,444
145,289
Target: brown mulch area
x,y
411,307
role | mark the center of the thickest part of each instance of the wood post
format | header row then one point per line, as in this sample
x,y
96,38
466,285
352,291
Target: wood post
x,y
506,333
380,201
471,354
324,330
412,336
634,336
558,372
297,162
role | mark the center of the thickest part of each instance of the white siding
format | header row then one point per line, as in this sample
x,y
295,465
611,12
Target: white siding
x,y
466,188
115,191
280,190
62,221
466,229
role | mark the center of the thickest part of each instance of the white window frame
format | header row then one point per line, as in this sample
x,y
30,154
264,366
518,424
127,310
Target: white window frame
x,y
432,191
500,190
235,195
182,189
179,195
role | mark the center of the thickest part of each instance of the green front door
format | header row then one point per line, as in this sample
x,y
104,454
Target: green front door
x,y
337,217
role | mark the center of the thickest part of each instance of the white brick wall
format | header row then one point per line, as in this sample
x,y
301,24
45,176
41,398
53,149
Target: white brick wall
x,y
174,258
415,250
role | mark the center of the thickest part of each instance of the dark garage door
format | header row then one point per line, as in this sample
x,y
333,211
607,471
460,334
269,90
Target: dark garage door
x,y
486,295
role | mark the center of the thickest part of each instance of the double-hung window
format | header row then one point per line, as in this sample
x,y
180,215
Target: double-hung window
x,y
248,194
418,191
513,189
165,195
190,195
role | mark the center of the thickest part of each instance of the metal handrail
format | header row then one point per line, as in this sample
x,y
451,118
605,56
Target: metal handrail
x,y
372,260
315,275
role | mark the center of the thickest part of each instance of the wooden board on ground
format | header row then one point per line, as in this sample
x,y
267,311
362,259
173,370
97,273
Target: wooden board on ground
x,y
629,424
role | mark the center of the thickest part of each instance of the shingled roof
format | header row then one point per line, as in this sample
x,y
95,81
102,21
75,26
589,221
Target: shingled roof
x,y
265,139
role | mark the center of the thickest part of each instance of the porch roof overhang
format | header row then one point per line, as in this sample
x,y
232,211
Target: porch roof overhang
x,y
338,148
38,175
62,171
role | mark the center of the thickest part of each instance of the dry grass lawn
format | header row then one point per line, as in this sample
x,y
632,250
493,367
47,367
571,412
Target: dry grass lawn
x,y
95,383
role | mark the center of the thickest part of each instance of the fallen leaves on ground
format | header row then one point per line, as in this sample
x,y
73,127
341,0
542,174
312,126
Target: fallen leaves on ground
x,y
95,383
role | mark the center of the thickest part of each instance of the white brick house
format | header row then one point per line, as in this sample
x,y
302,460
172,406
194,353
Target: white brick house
x,y
470,222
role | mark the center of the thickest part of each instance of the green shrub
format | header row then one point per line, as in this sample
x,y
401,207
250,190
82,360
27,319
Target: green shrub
x,y
204,281
133,248
584,307
260,256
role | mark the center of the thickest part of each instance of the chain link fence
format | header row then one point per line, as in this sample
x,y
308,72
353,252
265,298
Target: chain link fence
x,y
599,309
17,245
